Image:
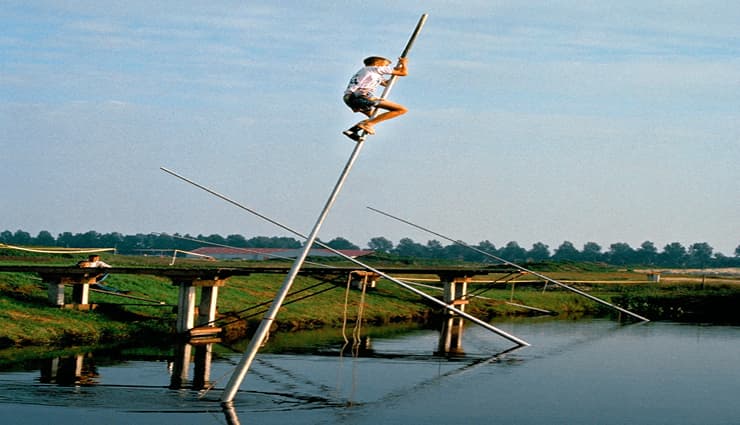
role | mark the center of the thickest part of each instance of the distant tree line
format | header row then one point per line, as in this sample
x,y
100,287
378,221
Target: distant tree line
x,y
699,254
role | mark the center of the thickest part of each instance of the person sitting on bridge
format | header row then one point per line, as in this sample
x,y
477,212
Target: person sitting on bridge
x,y
93,261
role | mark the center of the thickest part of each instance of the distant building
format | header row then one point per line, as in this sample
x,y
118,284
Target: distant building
x,y
261,254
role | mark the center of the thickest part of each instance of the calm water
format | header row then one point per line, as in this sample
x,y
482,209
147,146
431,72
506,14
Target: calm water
x,y
575,372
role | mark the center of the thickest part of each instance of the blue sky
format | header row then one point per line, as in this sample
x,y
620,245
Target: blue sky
x,y
529,121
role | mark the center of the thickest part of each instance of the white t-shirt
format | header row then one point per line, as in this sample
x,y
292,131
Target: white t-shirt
x,y
94,264
367,79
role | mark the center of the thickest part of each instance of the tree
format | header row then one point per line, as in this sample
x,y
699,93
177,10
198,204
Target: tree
x,y
457,252
621,253
213,238
566,252
341,243
435,249
111,240
238,241
130,243
647,253
159,241
737,251
7,237
513,252
592,252
380,244
408,248
285,242
65,240
485,246
674,254
44,238
21,238
700,254
539,252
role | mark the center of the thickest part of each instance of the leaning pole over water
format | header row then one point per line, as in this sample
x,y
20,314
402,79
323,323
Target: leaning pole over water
x,y
520,342
264,327
488,254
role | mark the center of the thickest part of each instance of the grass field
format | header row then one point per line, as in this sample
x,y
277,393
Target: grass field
x,y
26,318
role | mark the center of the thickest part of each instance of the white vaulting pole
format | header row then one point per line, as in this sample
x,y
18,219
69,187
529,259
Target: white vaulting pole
x,y
541,276
256,342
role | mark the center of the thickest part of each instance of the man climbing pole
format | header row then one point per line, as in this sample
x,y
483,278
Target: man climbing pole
x,y
360,94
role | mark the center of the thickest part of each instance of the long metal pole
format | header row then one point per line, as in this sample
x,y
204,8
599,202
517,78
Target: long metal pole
x,y
367,267
541,276
264,327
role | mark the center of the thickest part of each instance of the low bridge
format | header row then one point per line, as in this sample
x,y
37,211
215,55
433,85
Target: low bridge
x,y
209,279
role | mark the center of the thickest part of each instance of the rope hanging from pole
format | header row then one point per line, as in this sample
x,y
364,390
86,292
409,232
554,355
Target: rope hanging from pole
x,y
344,313
357,332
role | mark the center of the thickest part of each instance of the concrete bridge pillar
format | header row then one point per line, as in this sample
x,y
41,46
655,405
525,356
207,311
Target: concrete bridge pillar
x,y
56,293
207,307
185,307
455,294
80,283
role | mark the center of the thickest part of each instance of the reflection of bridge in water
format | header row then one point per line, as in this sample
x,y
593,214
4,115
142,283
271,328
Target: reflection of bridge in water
x,y
80,369
454,281
188,367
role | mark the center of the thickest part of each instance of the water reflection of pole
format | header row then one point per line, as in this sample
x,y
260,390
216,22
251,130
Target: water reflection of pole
x,y
488,254
230,414
473,365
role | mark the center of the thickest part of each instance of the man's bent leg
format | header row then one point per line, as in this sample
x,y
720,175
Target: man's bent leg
x,y
392,110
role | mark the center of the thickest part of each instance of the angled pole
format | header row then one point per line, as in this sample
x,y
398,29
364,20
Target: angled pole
x,y
512,338
541,276
256,342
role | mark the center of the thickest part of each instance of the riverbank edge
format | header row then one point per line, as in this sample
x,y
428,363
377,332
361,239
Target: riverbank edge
x,y
113,325
23,298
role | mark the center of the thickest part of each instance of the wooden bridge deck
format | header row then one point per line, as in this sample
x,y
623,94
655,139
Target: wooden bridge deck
x,y
220,273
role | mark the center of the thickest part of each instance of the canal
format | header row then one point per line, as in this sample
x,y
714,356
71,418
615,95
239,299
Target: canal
x,y
575,372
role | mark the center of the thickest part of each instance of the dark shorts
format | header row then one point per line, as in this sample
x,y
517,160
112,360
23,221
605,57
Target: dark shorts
x,y
360,103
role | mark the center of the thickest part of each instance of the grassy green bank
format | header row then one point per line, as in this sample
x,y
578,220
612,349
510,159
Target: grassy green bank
x,y
26,319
